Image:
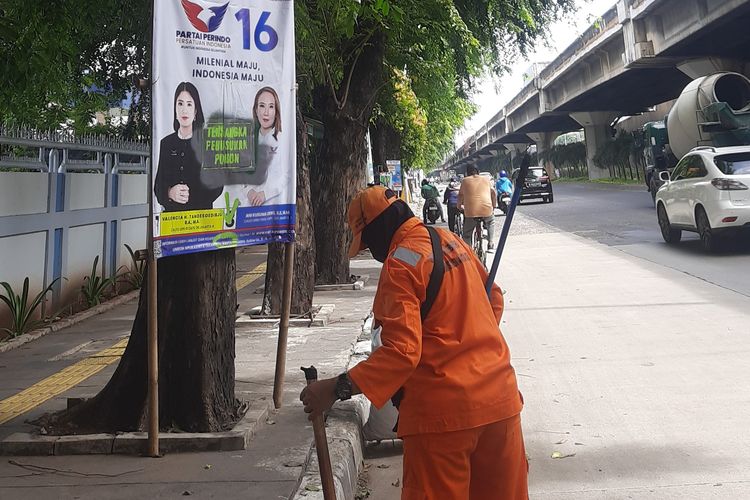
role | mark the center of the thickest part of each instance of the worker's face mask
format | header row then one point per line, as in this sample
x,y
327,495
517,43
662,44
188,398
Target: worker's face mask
x,y
378,234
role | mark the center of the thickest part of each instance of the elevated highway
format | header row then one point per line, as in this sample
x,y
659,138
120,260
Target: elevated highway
x,y
640,53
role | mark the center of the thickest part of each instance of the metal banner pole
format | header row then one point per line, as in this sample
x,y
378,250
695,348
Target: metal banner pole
x,y
508,219
286,305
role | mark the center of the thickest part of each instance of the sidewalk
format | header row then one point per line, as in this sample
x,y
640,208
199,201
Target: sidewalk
x,y
275,460
634,375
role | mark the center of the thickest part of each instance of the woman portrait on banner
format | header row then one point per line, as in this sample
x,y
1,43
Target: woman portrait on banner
x,y
178,185
276,187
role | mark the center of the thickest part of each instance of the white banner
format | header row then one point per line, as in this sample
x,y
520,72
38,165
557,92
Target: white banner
x,y
223,124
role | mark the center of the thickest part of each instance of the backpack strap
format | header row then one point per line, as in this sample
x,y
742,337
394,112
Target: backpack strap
x,y
433,287
436,276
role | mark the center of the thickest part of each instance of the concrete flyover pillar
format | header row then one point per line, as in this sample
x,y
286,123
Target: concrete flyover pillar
x,y
544,142
596,127
515,148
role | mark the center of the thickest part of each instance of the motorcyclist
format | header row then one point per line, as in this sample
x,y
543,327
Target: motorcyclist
x,y
450,198
431,196
503,184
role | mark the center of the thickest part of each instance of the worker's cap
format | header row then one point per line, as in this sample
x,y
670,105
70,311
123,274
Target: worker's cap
x,y
364,208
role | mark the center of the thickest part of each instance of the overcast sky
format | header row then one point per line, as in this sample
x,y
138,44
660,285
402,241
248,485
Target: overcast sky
x,y
563,33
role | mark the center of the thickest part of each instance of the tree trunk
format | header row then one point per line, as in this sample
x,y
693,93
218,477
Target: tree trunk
x,y
303,281
197,307
386,144
341,171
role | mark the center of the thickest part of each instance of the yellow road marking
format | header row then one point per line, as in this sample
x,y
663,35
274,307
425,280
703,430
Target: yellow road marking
x,y
73,375
251,277
60,382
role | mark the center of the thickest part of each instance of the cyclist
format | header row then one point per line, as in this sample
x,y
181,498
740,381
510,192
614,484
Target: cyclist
x,y
477,199
450,198
430,195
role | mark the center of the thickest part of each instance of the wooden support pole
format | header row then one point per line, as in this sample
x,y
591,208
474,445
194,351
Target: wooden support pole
x,y
153,360
152,329
286,306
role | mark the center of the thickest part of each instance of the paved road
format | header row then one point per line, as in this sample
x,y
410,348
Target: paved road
x,y
623,217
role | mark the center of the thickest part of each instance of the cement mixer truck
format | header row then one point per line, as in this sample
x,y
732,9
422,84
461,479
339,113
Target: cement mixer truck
x,y
713,110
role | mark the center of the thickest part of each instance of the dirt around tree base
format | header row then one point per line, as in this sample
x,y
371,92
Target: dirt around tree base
x,y
73,422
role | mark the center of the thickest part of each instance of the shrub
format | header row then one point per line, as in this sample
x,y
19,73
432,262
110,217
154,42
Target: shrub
x,y
134,275
95,287
21,309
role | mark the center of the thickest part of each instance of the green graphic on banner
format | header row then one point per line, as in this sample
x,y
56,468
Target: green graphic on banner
x,y
230,211
226,240
229,146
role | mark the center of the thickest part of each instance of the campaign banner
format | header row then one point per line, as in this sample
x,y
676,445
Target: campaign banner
x,y
394,167
224,146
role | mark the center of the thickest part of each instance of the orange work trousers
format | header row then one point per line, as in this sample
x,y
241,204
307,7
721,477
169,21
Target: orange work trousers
x,y
485,463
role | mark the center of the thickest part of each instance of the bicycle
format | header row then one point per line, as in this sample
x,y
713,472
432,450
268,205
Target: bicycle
x,y
480,241
458,223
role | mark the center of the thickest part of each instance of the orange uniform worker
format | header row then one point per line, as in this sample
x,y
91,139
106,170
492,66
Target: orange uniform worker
x,y
460,413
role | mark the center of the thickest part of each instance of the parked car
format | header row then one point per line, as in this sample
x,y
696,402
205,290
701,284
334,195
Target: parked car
x,y
537,184
708,192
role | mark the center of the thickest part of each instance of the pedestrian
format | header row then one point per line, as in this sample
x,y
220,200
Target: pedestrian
x,y
477,199
459,412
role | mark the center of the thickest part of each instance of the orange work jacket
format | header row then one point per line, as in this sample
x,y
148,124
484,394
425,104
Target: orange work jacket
x,y
455,368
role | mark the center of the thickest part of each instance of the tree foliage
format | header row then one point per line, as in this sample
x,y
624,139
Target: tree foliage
x,y
60,62
432,51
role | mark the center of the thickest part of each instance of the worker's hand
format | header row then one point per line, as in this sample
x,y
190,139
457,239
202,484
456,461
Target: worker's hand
x,y
318,397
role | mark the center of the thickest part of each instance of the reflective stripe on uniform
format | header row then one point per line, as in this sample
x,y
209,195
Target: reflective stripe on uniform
x,y
407,256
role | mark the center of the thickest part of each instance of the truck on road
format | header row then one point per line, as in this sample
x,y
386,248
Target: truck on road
x,y
713,110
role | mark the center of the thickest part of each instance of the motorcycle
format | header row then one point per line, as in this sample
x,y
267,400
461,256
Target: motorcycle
x,y
504,202
431,211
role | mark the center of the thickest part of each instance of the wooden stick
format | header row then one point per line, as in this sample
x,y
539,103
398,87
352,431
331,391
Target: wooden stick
x,y
321,444
286,305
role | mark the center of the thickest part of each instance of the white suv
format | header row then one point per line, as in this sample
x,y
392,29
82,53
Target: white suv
x,y
708,192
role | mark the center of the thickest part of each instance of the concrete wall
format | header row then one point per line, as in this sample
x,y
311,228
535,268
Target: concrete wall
x,y
23,193
28,254
84,190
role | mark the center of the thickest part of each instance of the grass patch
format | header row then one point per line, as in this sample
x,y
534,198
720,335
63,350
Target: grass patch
x,y
608,180
614,180
572,179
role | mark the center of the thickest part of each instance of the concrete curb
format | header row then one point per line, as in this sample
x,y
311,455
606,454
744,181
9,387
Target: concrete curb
x,y
345,440
346,447
69,321
320,318
357,285
135,443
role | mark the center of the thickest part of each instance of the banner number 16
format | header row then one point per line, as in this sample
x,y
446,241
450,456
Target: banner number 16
x,y
243,15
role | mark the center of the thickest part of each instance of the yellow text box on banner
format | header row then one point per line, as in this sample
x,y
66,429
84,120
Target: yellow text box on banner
x,y
193,221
